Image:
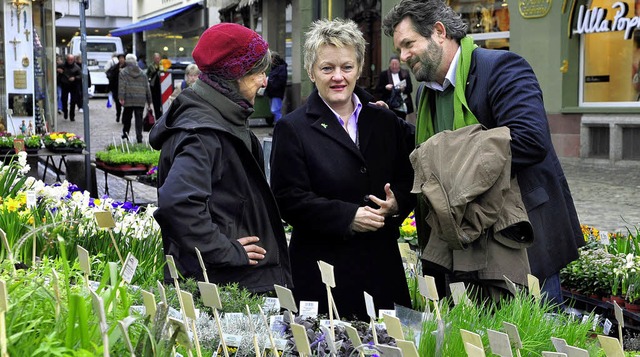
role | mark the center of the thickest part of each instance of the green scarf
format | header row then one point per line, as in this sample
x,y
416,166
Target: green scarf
x,y
461,113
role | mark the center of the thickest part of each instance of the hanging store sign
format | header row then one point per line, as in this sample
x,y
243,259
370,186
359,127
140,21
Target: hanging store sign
x,y
595,20
531,9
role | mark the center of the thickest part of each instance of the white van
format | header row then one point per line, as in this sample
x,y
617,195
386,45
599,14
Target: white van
x,y
100,49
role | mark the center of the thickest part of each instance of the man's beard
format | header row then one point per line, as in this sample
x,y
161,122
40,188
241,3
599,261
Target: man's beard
x,y
429,61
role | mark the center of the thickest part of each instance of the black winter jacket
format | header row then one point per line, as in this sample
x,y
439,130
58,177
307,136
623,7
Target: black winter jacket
x,y
212,190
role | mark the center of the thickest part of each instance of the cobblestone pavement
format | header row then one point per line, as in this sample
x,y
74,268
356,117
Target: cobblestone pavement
x,y
606,197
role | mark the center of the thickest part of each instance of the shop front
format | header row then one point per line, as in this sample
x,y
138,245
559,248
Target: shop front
x,y
27,66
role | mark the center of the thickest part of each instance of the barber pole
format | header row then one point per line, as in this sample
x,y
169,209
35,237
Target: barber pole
x,y
166,88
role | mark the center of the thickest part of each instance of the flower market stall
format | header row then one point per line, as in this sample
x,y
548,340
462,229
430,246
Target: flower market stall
x,y
83,276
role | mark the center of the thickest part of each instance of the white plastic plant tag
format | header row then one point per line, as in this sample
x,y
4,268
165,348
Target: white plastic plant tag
x,y
309,308
271,305
618,313
514,335
422,286
431,288
189,307
499,343
408,348
149,301
129,268
202,266
553,354
534,286
329,340
576,352
611,346
383,312
389,351
104,219
171,264
511,286
83,258
371,309
473,350
162,292
98,307
352,333
31,199
233,344
285,296
326,272
275,321
301,340
394,327
459,293
472,338
604,237
606,328
559,343
210,295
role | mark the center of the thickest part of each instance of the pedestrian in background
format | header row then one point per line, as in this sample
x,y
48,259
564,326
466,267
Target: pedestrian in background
x,y
142,62
191,74
69,76
212,192
276,85
396,81
465,85
80,95
341,175
133,95
59,63
153,73
113,75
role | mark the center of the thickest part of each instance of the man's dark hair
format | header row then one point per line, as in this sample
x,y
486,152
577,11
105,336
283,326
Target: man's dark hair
x,y
424,14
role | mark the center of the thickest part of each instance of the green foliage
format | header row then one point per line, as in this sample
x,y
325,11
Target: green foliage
x,y
129,154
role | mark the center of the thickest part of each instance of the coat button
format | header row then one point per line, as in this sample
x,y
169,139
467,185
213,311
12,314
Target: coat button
x,y
363,170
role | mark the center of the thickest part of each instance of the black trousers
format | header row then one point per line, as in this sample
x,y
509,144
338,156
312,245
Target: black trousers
x,y
127,114
156,97
69,94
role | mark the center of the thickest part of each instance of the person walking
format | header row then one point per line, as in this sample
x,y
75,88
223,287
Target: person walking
x,y
465,85
341,174
212,191
396,81
153,73
133,95
113,75
80,94
276,85
69,76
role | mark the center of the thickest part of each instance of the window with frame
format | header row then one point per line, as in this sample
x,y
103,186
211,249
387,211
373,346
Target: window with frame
x,y
487,21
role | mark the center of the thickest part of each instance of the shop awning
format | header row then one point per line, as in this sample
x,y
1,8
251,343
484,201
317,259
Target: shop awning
x,y
150,23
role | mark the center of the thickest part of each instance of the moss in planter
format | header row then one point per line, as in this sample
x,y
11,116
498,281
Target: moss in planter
x,y
138,154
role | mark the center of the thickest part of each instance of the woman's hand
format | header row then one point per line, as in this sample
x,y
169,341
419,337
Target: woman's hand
x,y
366,220
389,206
254,252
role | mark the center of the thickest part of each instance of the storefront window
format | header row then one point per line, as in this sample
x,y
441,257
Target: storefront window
x,y
487,20
610,53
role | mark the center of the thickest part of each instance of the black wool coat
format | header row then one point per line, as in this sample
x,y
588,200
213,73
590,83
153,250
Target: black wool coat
x,y
320,178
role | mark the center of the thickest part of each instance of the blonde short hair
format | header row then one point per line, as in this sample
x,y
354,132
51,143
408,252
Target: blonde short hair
x,y
337,32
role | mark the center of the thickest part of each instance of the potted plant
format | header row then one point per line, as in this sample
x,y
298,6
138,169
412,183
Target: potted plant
x,y
133,157
6,143
32,143
63,142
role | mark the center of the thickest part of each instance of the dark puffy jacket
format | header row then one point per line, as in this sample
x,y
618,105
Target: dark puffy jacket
x,y
212,190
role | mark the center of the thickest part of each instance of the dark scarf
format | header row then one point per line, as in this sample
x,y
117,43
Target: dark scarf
x,y
224,87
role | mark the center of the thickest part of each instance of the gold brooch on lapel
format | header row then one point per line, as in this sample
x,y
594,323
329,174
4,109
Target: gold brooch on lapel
x,y
324,125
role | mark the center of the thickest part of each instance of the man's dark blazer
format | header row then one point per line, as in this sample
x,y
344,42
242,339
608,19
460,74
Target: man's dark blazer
x,y
502,90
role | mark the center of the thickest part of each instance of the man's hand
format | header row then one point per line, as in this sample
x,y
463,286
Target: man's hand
x,y
254,252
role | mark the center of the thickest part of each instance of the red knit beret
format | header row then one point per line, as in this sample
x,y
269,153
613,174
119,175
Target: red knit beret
x,y
229,50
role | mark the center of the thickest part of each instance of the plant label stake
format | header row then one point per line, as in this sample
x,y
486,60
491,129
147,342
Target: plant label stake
x,y
576,352
105,220
5,243
326,272
511,286
204,268
371,311
534,286
394,327
211,298
301,340
129,268
98,307
162,292
256,345
4,307
83,257
408,348
618,313
274,348
499,343
56,291
514,336
352,333
559,343
611,346
173,271
286,299
149,303
472,343
190,311
553,354
459,294
427,287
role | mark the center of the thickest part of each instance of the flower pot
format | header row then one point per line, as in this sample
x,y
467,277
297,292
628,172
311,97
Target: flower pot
x,y
635,308
619,300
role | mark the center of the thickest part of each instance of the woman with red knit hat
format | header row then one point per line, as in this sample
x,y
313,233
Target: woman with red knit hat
x,y
212,191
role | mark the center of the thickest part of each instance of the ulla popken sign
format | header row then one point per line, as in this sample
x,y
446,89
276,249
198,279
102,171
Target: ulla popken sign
x,y
595,20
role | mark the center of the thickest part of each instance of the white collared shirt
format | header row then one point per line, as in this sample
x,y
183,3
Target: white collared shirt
x,y
352,123
450,78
